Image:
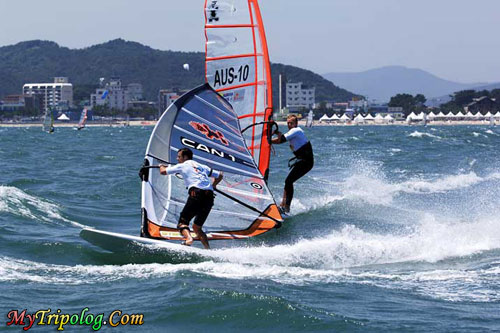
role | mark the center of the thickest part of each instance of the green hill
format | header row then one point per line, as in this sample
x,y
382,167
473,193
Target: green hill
x,y
40,61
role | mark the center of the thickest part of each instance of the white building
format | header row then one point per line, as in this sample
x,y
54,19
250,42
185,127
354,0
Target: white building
x,y
135,91
299,96
99,98
51,95
167,97
114,96
358,104
117,96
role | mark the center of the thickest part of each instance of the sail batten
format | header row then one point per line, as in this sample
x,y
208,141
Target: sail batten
x,y
215,144
221,165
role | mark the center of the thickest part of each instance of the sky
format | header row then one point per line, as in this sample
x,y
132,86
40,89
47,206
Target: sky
x,y
452,39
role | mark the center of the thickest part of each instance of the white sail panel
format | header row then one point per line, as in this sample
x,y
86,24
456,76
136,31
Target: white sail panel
x,y
237,65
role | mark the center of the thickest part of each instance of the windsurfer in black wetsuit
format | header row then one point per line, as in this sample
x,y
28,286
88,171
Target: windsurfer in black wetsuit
x,y
303,161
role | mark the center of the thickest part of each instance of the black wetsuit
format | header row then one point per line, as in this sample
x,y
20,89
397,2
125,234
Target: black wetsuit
x,y
301,164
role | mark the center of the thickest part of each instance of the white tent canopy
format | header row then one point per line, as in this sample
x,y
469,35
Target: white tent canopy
x,y
411,116
334,117
63,117
359,118
369,117
324,118
379,118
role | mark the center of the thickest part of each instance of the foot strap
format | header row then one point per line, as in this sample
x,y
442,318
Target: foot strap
x,y
182,226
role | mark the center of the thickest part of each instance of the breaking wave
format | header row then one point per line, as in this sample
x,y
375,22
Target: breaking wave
x,y
20,203
347,255
417,134
374,190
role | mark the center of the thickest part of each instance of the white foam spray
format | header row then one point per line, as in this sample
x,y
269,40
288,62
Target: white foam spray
x,y
17,202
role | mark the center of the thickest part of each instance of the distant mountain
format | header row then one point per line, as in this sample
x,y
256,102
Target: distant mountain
x,y
40,61
383,83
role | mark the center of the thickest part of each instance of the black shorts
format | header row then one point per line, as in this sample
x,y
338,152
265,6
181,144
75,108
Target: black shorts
x,y
199,204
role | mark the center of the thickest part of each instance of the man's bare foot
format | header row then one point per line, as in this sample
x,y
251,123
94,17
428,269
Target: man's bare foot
x,y
188,242
284,209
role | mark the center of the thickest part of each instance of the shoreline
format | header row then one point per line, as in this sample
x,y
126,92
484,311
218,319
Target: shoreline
x,y
280,123
89,124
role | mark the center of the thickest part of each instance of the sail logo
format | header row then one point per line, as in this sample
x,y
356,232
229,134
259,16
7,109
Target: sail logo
x,y
225,76
235,96
212,9
210,150
209,133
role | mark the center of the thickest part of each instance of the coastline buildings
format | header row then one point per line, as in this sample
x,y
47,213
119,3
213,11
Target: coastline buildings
x,y
299,96
167,97
19,103
483,105
114,96
57,95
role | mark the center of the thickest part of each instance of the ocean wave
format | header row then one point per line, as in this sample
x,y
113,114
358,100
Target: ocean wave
x,y
374,189
300,206
17,202
476,134
348,255
417,134
431,241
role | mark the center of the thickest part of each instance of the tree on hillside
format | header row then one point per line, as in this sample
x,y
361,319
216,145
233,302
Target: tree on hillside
x,y
464,97
460,99
406,101
495,93
420,99
39,61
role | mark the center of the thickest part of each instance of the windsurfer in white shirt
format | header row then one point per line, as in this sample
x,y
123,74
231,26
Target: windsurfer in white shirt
x,y
201,195
304,158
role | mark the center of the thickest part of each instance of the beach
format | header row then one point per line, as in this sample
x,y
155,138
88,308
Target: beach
x,y
302,123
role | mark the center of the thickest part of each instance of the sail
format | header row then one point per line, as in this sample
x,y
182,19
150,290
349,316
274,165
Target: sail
x,y
48,122
206,123
237,66
309,119
83,119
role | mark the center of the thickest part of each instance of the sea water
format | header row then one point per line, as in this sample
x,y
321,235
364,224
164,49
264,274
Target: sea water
x,y
394,229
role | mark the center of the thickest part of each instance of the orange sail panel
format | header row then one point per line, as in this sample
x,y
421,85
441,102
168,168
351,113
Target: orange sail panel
x,y
237,66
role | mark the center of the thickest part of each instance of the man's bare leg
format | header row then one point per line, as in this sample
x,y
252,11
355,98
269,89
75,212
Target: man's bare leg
x,y
187,234
201,235
283,200
283,204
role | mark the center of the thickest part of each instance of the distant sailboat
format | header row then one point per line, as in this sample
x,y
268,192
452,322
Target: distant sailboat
x,y
83,119
48,122
309,120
